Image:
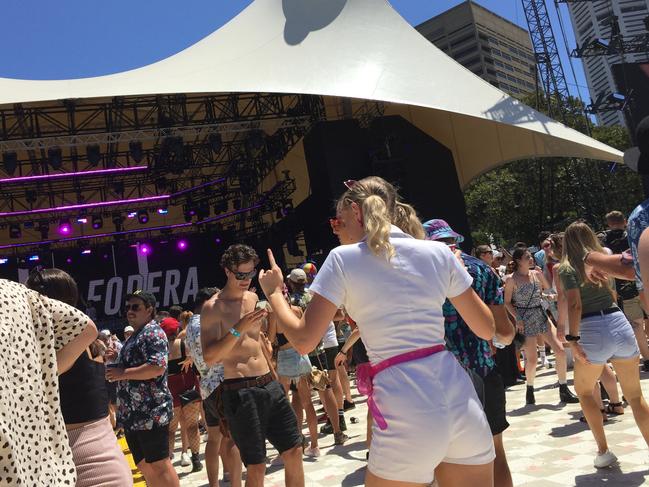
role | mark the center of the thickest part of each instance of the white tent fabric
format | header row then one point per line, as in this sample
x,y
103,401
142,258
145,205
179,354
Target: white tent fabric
x,y
348,48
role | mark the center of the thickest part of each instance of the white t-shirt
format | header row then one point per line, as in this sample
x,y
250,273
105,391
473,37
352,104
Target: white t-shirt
x,y
330,339
398,304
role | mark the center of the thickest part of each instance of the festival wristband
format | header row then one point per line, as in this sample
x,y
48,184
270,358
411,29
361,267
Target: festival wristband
x,y
234,332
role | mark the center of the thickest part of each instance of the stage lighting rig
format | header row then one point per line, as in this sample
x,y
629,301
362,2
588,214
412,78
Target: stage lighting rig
x,y
97,222
44,229
93,153
143,217
15,231
10,162
54,157
135,150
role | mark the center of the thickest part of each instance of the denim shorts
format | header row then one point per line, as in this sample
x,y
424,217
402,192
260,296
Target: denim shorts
x,y
608,337
292,365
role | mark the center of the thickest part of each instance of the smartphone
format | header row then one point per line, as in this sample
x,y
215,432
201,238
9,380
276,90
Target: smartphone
x,y
261,304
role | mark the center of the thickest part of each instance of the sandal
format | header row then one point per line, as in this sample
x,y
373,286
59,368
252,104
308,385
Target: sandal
x,y
614,408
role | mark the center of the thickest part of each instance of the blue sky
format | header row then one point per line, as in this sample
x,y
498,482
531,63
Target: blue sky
x,y
44,39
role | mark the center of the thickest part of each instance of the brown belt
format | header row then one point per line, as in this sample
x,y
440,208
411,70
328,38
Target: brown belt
x,y
237,384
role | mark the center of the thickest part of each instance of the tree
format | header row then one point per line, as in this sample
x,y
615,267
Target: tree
x,y
515,202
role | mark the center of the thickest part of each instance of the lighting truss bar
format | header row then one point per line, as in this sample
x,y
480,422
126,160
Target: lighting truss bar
x,y
80,174
133,231
102,204
85,206
635,45
187,132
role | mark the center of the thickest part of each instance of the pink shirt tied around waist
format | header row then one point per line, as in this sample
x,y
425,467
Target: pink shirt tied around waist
x,y
365,374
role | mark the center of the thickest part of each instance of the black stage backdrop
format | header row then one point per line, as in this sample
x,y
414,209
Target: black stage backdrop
x,y
109,273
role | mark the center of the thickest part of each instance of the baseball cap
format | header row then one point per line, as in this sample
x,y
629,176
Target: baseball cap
x,y
637,158
437,229
105,332
148,298
129,328
297,275
170,326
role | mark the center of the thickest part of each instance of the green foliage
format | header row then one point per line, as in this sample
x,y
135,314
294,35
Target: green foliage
x,y
515,202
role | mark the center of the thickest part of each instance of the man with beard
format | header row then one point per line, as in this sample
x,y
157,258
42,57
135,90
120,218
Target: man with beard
x,y
254,405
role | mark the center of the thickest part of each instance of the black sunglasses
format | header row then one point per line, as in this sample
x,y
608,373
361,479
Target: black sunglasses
x,y
135,307
244,276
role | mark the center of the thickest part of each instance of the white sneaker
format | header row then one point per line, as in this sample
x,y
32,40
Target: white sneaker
x,y
606,459
185,460
312,452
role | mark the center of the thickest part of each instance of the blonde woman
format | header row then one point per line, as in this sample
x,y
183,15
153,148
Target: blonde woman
x,y
598,332
607,379
394,287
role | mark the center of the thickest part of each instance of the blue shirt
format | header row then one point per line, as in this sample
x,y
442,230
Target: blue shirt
x,y
472,351
638,221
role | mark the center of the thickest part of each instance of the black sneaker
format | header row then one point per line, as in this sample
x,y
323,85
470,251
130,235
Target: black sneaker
x,y
327,429
342,422
529,395
347,405
197,466
566,395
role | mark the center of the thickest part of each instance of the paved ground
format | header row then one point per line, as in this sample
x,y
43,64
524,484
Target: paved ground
x,y
546,445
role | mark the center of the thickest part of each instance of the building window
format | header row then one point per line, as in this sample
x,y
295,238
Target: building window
x,y
470,50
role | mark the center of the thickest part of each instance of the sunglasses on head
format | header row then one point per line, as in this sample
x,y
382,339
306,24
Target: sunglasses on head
x,y
135,307
335,223
350,183
244,276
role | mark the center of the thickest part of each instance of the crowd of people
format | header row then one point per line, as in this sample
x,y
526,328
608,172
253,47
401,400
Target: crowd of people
x,y
434,335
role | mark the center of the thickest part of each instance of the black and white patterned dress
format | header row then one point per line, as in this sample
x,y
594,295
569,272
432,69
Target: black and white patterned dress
x,y
34,450
527,301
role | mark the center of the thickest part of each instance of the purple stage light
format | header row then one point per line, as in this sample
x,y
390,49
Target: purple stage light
x,y
131,214
34,258
218,240
144,249
182,245
68,260
98,204
100,172
3,261
65,228
162,211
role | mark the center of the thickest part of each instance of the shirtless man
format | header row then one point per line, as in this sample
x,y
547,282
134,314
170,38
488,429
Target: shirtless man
x,y
254,404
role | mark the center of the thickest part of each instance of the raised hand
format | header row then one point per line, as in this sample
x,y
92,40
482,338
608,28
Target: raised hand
x,y
271,280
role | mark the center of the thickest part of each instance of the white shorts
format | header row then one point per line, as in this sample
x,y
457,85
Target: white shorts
x,y
433,416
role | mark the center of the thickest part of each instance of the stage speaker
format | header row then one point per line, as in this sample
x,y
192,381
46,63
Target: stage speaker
x,y
632,80
422,168
335,152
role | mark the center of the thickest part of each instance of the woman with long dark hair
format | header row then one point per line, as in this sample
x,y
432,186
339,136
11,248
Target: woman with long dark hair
x,y
394,286
598,332
523,296
84,400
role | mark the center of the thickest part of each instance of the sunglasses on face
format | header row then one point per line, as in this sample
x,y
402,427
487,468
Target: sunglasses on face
x,y
244,276
132,307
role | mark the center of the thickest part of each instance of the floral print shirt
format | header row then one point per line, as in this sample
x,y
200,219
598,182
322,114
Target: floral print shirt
x,y
472,351
144,404
211,375
638,221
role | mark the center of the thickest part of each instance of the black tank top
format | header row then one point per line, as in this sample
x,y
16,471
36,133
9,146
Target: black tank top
x,y
173,366
281,340
84,396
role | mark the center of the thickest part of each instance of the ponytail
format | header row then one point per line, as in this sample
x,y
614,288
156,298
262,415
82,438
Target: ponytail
x,y
407,220
376,221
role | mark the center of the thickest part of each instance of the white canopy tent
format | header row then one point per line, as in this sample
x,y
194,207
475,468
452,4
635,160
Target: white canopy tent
x,y
344,48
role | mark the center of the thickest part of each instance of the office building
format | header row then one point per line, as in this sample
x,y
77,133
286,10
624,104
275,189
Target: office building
x,y
487,44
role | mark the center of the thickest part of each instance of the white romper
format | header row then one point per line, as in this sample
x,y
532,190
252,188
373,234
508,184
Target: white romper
x,y
430,405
